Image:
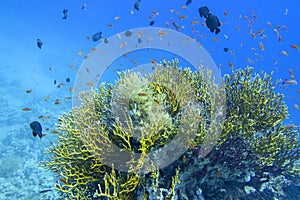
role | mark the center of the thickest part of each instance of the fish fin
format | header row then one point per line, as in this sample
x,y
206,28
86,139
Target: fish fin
x,y
34,134
217,31
211,30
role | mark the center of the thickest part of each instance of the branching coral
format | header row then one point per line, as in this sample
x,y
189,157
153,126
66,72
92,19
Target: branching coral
x,y
112,146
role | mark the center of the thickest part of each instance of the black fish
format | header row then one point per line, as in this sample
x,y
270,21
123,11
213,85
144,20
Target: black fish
x,y
137,5
68,80
105,41
36,128
54,82
96,36
44,191
225,49
65,11
212,22
151,23
203,11
128,33
188,2
39,43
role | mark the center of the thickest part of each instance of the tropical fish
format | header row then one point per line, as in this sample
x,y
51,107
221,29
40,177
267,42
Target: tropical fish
x,y
203,11
225,49
96,36
289,82
36,128
28,91
44,191
188,2
212,22
39,43
137,5
26,109
128,33
68,80
83,7
65,12
294,46
151,23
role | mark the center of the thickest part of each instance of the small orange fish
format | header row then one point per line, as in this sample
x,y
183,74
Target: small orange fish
x,y
182,17
216,39
85,57
71,89
279,38
63,180
88,37
142,94
291,74
269,24
55,132
298,90
154,12
28,91
153,62
294,46
26,109
284,28
296,106
225,13
156,101
80,53
160,33
261,46
57,102
219,173
123,45
110,25
198,117
90,83
231,65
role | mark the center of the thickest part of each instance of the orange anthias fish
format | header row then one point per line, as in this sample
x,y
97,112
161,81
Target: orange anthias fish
x,y
294,46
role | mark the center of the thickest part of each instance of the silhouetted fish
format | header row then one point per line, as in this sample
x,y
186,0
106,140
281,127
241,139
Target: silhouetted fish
x,y
212,22
151,23
39,43
65,11
188,2
68,80
96,36
36,128
203,11
137,5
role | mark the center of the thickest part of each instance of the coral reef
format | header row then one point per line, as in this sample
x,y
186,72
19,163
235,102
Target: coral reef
x,y
104,145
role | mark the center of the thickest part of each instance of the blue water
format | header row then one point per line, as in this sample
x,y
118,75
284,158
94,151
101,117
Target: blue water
x,y
23,66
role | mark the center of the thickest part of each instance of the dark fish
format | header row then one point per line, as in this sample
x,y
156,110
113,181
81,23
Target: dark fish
x,y
128,33
212,22
65,11
68,80
96,36
39,43
137,5
44,191
188,2
151,23
203,11
36,128
225,49
105,41
54,82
